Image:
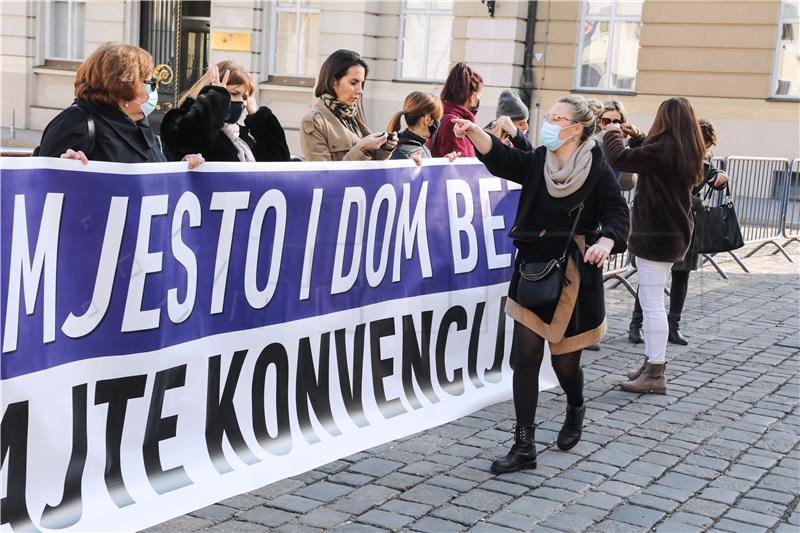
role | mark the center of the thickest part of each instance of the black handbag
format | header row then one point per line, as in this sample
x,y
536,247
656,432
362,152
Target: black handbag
x,y
541,282
716,228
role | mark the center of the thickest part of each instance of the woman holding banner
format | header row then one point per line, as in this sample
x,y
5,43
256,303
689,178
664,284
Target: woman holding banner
x,y
114,93
570,217
336,129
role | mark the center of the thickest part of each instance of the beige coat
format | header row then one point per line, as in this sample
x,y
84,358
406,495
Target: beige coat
x,y
323,137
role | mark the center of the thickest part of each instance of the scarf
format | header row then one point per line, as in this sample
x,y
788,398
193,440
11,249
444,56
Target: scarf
x,y
243,152
563,181
345,113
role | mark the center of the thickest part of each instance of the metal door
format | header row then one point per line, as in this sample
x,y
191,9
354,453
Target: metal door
x,y
176,33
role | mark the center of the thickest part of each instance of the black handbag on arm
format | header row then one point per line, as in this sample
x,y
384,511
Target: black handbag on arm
x,y
541,282
716,229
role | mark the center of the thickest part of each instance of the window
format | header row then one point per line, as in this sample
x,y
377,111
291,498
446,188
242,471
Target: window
x,y
608,44
424,48
295,38
786,81
65,29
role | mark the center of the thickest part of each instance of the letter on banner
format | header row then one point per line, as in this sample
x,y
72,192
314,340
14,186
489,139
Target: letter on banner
x,y
409,229
344,282
461,224
259,298
144,263
79,326
228,203
385,194
180,311
25,276
492,223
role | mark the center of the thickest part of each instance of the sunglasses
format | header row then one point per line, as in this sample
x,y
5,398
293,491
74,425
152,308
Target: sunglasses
x,y
606,121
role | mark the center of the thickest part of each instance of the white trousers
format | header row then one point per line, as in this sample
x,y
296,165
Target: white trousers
x,y
652,279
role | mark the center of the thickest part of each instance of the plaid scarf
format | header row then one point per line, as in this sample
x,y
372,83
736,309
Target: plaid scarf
x,y
345,113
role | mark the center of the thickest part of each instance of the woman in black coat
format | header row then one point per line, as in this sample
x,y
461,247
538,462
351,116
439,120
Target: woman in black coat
x,y
565,180
114,94
208,120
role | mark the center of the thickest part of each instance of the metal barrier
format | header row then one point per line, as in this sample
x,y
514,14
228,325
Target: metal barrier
x,y
766,194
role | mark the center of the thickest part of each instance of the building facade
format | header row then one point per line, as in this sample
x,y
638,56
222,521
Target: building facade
x,y
738,61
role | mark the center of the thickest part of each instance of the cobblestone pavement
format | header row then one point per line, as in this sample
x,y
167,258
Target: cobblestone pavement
x,y
720,452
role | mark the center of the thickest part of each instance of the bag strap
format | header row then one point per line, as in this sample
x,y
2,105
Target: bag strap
x,y
90,129
579,207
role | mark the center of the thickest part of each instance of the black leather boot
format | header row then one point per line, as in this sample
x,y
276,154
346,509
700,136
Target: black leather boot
x,y
522,455
675,336
635,328
570,433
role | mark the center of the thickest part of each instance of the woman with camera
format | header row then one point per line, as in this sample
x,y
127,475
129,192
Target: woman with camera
x,y
679,286
669,162
570,217
336,129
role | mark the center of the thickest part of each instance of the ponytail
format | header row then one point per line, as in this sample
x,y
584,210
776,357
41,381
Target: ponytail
x,y
394,122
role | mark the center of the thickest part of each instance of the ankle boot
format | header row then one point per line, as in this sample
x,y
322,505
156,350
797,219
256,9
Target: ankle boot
x,y
633,374
651,380
571,431
675,336
635,333
522,454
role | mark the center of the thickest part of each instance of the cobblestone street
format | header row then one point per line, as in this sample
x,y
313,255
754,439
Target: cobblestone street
x,y
719,452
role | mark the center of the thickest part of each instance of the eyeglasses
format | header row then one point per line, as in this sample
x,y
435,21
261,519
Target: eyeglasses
x,y
605,121
556,118
152,82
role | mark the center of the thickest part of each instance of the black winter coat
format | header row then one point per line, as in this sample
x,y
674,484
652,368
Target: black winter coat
x,y
543,223
196,127
408,144
116,138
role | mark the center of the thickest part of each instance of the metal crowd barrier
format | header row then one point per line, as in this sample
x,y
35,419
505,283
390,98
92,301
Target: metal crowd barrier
x,y
766,196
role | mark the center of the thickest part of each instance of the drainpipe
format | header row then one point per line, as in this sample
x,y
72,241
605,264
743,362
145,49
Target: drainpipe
x,y
527,62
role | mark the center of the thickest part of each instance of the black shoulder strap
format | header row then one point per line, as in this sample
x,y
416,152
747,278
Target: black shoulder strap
x,y
579,207
90,129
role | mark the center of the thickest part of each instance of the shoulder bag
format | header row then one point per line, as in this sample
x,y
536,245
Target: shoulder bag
x,y
541,282
716,229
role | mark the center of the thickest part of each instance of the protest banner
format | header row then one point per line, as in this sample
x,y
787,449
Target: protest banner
x,y
174,338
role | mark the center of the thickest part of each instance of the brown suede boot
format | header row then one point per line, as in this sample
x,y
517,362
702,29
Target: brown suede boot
x,y
633,374
652,380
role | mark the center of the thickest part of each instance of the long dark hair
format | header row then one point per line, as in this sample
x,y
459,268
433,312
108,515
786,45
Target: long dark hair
x,y
334,68
460,84
675,117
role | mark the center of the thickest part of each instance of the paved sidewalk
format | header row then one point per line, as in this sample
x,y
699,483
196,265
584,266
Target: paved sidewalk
x,y
720,452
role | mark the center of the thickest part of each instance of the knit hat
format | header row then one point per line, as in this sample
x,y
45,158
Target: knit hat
x,y
510,104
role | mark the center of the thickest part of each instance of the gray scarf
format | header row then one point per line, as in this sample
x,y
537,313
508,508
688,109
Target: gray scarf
x,y
561,182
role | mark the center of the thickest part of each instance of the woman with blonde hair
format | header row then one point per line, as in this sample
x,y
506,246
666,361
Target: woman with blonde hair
x,y
570,217
219,118
114,93
422,112
335,129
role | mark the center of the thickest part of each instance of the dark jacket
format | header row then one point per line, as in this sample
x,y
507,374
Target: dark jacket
x,y
542,223
408,144
445,141
661,218
196,127
116,138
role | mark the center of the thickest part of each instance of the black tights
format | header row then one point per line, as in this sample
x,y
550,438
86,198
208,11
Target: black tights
x,y
527,352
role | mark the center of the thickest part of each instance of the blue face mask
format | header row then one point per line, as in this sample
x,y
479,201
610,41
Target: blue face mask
x,y
549,134
150,105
